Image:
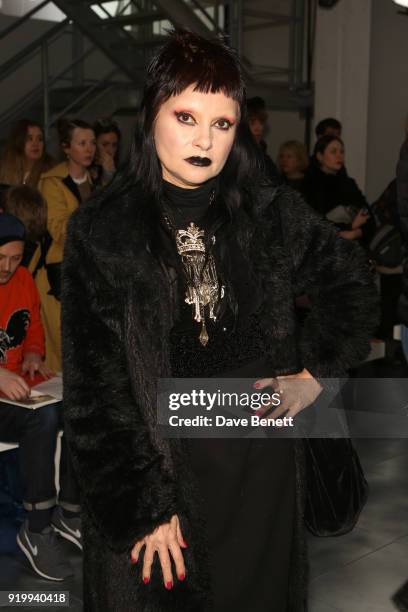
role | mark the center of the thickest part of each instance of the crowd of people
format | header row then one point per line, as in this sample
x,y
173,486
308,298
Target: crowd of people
x,y
38,197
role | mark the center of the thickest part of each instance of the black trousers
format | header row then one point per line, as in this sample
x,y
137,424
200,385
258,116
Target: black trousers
x,y
36,433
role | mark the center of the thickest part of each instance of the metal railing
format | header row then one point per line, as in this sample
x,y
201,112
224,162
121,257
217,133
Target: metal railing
x,y
138,36
40,48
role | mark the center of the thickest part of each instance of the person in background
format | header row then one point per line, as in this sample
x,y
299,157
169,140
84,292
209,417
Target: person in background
x,y
257,118
21,361
335,195
328,126
64,188
293,161
24,158
108,136
28,205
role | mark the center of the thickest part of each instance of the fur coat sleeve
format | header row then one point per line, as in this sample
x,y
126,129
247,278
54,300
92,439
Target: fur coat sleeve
x,y
334,273
126,488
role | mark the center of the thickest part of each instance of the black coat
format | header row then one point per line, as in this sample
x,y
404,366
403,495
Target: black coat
x,y
326,191
116,324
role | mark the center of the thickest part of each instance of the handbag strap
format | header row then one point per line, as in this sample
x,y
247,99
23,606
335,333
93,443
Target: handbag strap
x,y
45,245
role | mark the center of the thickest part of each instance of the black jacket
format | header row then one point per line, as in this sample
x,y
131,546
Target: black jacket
x,y
116,324
326,191
402,198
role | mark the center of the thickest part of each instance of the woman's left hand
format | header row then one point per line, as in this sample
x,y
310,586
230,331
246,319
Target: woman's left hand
x,y
297,391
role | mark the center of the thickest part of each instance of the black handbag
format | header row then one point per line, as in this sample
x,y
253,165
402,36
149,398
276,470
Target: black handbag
x,y
336,489
386,247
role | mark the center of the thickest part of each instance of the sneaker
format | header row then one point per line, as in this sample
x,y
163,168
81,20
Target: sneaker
x,y
44,552
68,528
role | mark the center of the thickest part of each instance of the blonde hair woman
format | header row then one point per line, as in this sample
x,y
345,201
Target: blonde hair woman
x,y
293,161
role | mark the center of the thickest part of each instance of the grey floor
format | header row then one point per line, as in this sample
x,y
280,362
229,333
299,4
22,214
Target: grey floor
x,y
360,571
354,573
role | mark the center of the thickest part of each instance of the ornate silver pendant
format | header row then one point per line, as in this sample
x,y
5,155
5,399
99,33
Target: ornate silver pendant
x,y
203,288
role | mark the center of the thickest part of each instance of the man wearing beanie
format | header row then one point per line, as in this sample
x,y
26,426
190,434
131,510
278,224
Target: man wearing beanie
x,y
21,354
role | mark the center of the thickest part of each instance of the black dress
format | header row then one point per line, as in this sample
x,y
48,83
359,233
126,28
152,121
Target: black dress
x,y
247,485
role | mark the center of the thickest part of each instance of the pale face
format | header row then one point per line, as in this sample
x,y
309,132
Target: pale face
x,y
81,150
34,144
194,133
332,159
11,255
107,143
288,162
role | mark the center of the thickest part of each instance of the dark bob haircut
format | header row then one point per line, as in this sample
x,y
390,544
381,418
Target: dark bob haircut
x,y
330,123
324,142
211,66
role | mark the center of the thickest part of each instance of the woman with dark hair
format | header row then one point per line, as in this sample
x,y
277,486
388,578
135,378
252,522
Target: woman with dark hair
x,y
335,195
64,188
24,158
187,265
107,134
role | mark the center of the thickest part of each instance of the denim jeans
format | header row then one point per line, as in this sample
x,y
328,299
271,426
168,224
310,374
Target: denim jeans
x,y
36,433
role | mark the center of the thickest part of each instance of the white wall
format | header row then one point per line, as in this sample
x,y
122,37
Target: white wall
x,y
342,65
388,94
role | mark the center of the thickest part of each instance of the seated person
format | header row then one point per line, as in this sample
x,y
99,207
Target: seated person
x,y
21,360
328,126
257,118
334,194
292,163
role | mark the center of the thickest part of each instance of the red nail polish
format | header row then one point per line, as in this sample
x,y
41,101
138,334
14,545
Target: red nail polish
x,y
133,561
146,580
169,585
256,385
182,577
258,413
185,544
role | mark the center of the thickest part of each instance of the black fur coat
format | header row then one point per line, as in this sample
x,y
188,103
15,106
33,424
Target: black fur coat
x,y
116,324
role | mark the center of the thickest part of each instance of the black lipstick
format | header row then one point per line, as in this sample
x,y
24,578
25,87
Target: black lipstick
x,y
198,161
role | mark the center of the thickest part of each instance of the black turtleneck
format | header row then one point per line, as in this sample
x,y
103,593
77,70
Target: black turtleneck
x,y
188,205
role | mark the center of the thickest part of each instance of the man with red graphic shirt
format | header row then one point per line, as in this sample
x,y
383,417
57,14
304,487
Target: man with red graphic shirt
x,y
21,359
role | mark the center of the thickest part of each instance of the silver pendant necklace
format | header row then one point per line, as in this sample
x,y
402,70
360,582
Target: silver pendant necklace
x,y
203,288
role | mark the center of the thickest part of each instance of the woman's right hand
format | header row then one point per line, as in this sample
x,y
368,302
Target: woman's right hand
x,y
166,540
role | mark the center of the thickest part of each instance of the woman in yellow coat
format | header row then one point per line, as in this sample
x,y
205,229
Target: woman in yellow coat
x,y
64,188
